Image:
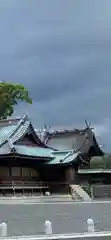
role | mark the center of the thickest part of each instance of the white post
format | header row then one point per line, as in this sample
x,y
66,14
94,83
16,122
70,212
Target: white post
x,y
3,229
48,227
90,225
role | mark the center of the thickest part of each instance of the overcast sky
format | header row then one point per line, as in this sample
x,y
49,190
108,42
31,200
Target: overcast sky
x,y
61,51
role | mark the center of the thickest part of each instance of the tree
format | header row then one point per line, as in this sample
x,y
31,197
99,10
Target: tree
x,y
10,95
97,163
101,162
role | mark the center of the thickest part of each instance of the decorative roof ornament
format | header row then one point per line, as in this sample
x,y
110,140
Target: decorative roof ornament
x,y
46,128
88,125
25,118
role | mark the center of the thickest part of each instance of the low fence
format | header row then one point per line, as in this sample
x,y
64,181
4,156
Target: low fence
x,y
32,187
98,191
34,183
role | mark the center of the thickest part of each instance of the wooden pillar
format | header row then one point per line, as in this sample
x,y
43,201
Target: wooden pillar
x,y
70,175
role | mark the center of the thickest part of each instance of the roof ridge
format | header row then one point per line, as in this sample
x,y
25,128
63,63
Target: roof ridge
x,y
10,119
51,132
13,148
22,120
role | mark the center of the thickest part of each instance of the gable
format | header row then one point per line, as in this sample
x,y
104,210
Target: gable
x,y
28,139
22,131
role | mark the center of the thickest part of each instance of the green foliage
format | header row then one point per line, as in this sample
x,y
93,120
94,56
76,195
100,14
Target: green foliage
x,y
97,162
10,95
101,162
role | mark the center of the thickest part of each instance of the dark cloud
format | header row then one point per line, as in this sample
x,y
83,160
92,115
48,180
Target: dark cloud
x,y
61,51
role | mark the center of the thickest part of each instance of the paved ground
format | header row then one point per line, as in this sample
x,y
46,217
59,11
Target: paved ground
x,y
65,217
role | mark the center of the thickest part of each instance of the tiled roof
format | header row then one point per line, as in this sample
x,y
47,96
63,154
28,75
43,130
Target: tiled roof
x,y
5,132
47,135
4,150
20,131
34,151
57,139
52,157
8,130
11,131
63,157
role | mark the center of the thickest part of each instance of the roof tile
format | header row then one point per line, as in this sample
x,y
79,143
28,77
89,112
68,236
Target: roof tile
x,y
34,151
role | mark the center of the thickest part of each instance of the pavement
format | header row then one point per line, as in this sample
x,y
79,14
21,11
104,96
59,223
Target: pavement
x,y
35,199
28,219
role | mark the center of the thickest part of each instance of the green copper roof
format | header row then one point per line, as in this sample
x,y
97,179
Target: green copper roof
x,y
34,151
54,157
6,131
4,150
11,132
63,157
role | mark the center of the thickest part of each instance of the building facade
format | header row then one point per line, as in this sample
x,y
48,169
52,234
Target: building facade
x,y
51,164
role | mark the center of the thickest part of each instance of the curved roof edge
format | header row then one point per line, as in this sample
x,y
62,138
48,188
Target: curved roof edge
x,y
18,130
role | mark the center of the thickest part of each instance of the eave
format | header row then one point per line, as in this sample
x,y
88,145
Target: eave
x,y
97,147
